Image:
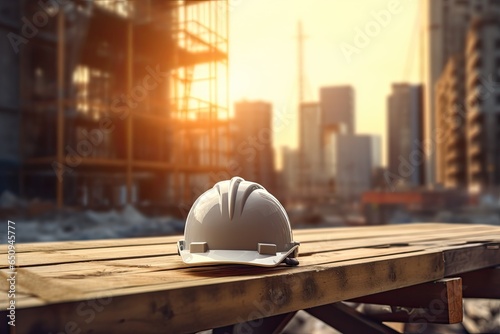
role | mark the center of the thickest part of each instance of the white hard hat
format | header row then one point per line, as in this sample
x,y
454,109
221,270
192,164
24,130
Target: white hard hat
x,y
239,222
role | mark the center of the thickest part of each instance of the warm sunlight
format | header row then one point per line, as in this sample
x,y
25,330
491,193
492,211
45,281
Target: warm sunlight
x,y
263,54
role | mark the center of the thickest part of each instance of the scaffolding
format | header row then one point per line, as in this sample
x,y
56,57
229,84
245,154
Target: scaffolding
x,y
125,102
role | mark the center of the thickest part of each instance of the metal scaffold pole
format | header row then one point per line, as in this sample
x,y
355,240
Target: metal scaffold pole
x,y
60,104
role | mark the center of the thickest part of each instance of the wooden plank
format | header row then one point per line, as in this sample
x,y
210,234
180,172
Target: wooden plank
x,y
104,243
173,262
431,234
372,230
118,279
463,259
42,287
99,277
189,306
108,280
483,283
347,320
145,264
80,255
304,236
379,230
172,277
88,244
447,308
426,239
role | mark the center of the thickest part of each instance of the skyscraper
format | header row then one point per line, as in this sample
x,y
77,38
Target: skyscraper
x,y
337,107
253,141
446,27
354,165
290,172
310,147
483,102
404,133
451,159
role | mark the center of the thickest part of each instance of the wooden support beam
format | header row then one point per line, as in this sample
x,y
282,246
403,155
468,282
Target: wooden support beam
x,y
437,302
274,324
483,283
347,320
420,295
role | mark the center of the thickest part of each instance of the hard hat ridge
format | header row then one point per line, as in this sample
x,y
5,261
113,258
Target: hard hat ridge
x,y
236,197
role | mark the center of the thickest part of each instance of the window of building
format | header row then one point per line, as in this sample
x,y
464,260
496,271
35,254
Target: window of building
x,y
497,43
497,62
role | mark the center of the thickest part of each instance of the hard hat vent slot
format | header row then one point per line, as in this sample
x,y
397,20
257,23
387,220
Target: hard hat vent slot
x,y
267,249
232,193
198,247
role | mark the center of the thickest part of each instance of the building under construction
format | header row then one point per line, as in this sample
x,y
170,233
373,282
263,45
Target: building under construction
x,y
104,103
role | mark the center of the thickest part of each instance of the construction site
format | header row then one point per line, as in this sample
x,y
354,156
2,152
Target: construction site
x,y
108,103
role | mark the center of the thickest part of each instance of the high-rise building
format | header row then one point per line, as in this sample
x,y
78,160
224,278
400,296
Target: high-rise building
x,y
376,149
290,172
451,162
468,110
446,26
349,162
310,148
404,134
483,101
253,140
354,165
337,107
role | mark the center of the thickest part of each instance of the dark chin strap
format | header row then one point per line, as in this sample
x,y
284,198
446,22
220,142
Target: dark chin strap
x,y
290,261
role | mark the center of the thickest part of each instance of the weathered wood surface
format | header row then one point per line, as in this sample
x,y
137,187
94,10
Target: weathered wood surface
x,y
141,285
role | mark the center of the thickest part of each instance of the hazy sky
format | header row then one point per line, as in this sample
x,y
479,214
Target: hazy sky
x,y
263,55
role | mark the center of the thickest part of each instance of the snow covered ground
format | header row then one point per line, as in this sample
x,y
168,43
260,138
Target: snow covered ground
x,y
84,225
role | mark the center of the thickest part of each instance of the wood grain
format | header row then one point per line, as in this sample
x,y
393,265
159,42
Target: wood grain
x,y
147,288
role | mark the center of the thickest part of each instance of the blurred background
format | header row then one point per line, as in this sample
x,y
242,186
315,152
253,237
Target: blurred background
x,y
116,115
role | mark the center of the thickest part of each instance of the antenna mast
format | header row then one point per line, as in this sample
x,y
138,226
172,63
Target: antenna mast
x,y
300,38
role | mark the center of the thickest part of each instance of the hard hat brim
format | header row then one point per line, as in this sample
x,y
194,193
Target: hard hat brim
x,y
245,257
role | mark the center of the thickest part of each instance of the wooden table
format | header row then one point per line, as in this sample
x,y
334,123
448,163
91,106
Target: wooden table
x,y
141,285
